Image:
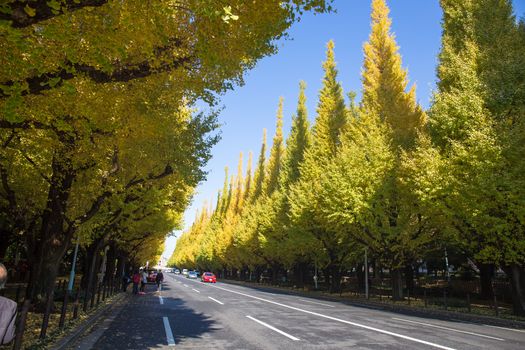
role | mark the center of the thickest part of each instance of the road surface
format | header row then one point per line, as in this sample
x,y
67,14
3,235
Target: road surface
x,y
188,314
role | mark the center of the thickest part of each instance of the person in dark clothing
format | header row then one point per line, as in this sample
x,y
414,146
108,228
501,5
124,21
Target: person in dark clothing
x,y
159,279
7,312
125,282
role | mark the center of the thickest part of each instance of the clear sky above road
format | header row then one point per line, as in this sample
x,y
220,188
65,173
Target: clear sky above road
x,y
252,107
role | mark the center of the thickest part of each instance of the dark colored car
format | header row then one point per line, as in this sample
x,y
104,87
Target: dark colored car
x,y
208,277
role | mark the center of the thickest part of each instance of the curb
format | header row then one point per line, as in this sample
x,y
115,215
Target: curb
x,y
412,311
76,333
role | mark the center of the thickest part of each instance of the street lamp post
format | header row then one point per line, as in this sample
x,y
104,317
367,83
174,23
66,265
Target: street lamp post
x,y
446,265
315,276
366,272
73,265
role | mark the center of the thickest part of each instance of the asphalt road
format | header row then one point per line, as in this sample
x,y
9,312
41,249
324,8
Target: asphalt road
x,y
188,314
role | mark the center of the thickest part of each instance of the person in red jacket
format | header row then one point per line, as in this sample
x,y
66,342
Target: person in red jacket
x,y
136,280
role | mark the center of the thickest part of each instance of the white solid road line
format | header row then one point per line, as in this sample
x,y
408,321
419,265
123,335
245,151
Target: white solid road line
x,y
186,285
315,302
273,328
161,300
508,329
215,300
169,333
195,290
340,320
447,328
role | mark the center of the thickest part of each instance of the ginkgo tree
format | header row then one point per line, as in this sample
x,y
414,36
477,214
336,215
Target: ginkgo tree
x,y
304,197
387,176
92,98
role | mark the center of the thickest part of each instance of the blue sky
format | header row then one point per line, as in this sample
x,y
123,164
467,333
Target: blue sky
x,y
250,108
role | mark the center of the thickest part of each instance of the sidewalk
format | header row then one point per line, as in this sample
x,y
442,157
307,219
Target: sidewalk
x,y
84,329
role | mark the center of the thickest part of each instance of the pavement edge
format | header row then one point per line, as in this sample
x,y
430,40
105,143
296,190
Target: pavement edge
x,y
77,332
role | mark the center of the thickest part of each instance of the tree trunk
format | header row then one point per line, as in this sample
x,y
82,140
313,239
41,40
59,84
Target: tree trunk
x,y
300,274
5,241
409,279
486,275
517,279
91,285
326,276
48,243
360,274
275,274
397,284
335,278
120,269
109,274
42,282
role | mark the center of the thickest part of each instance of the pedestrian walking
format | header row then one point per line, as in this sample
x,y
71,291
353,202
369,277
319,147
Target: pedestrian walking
x,y
7,312
126,280
159,279
144,281
136,280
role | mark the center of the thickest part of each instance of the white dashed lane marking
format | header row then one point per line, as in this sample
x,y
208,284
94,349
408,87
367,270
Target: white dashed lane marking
x,y
215,300
169,334
447,328
273,328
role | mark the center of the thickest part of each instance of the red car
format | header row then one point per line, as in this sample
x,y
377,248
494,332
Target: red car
x,y
208,277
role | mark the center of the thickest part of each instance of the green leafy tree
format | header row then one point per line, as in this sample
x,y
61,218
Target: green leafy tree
x,y
330,120
273,168
477,132
394,222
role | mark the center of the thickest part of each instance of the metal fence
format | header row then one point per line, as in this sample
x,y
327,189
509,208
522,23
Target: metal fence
x,y
60,301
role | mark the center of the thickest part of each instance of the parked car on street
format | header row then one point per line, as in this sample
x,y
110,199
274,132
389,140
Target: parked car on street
x,y
185,272
209,277
176,271
192,274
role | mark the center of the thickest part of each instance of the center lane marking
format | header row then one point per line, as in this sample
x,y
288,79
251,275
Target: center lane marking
x,y
273,328
169,334
215,300
397,335
447,328
161,300
195,290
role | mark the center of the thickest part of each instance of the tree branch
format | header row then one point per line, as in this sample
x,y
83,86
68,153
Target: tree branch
x,y
20,18
32,162
26,124
121,73
9,139
168,170
97,203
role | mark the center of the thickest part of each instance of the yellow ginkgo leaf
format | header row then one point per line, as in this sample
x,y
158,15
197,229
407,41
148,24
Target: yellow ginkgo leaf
x,y
31,12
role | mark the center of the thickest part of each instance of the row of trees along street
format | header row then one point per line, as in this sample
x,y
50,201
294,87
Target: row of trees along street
x,y
99,142
383,174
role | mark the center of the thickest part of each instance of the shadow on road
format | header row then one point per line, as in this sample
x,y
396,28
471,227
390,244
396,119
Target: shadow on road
x,y
140,324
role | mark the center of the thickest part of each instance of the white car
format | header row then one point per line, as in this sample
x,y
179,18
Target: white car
x,y
185,272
